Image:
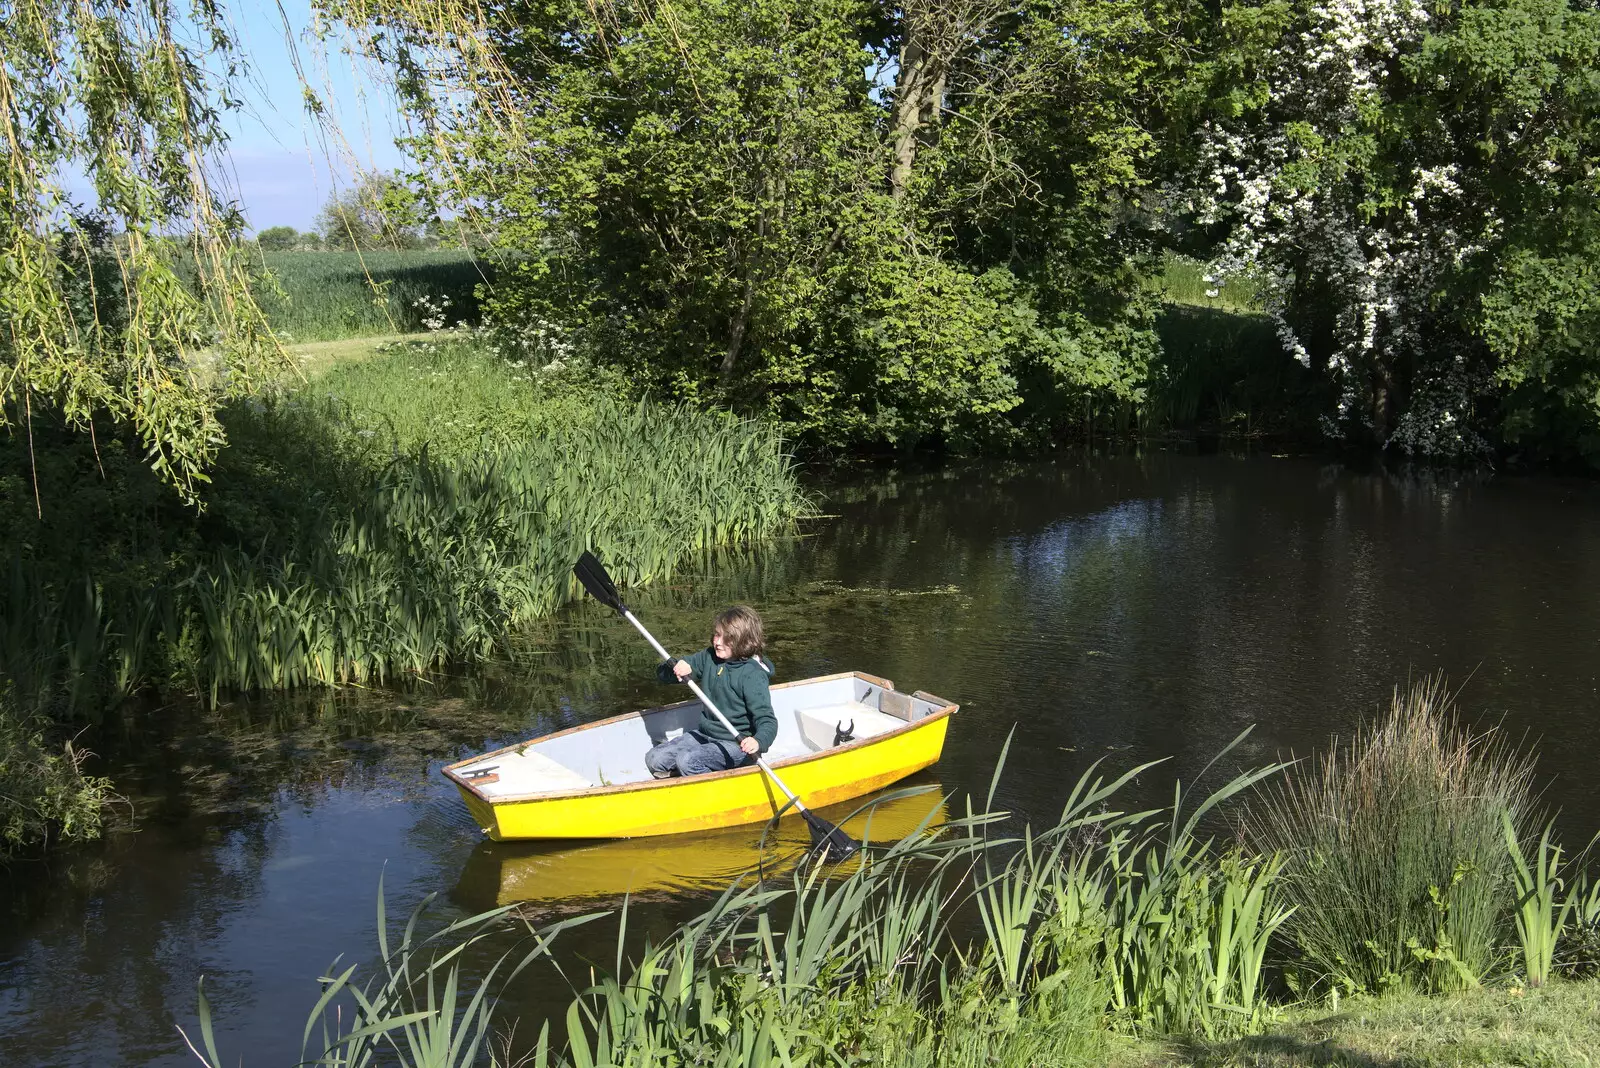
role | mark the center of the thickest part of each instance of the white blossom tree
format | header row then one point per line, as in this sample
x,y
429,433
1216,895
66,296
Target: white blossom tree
x,y
1378,163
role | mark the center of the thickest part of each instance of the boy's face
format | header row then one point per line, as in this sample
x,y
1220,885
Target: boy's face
x,y
719,645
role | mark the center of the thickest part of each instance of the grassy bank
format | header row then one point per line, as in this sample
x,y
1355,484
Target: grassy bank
x,y
387,520
1221,368
1558,1025
391,518
1189,282
1113,935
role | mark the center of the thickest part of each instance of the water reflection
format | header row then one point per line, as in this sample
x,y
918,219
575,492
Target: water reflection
x,y
568,878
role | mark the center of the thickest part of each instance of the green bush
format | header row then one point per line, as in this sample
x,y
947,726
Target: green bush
x,y
1398,867
277,239
44,793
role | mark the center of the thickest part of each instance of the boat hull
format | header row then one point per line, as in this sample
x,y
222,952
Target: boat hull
x,y
726,799
636,809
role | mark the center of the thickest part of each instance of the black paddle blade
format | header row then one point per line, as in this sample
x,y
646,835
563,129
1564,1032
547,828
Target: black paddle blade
x,y
829,842
597,582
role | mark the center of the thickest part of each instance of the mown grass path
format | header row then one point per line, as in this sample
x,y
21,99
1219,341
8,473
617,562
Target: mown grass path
x,y
1556,1025
317,357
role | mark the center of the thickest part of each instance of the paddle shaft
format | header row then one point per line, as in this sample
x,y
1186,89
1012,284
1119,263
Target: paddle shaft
x,y
715,711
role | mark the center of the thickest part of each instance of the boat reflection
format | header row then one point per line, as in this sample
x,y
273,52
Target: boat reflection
x,y
580,876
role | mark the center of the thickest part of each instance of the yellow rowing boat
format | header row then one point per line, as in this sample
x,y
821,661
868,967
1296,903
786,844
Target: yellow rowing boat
x,y
839,737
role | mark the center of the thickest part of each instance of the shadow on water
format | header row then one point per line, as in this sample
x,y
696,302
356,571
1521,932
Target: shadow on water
x,y
1122,609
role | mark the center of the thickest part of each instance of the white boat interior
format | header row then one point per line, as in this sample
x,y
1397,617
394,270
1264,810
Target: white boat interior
x,y
813,715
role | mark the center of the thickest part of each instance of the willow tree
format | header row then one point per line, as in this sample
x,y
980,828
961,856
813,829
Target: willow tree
x,y
122,289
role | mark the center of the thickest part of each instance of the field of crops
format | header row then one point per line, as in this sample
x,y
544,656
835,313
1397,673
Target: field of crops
x,y
324,296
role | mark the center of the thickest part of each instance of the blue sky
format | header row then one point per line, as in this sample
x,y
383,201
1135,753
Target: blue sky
x,y
283,171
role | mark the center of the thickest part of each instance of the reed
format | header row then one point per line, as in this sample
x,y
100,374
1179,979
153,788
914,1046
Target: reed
x,y
432,561
1111,919
1397,862
69,645
1227,371
341,546
1187,931
1540,909
415,1009
1577,951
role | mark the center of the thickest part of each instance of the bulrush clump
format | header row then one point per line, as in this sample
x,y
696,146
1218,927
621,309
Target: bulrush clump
x,y
1397,851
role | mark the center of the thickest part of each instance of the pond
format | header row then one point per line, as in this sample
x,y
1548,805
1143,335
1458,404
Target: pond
x,y
1121,608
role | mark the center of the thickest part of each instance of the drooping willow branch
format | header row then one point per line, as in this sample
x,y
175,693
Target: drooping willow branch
x,y
123,290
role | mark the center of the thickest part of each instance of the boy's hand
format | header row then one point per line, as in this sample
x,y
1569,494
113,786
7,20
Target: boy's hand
x,y
682,669
750,746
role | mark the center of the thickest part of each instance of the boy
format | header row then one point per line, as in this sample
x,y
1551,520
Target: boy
x,y
733,675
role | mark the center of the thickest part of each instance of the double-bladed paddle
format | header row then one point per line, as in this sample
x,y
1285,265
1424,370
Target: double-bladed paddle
x,y
824,835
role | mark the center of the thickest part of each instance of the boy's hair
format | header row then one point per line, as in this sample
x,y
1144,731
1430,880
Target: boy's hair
x,y
741,629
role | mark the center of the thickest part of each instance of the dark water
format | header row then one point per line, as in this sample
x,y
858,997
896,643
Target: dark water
x,y
1124,609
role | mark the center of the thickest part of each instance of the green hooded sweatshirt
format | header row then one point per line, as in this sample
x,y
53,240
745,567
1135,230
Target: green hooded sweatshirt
x,y
737,687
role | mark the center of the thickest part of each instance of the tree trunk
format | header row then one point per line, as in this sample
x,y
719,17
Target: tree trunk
x,y
1381,405
741,319
910,102
736,330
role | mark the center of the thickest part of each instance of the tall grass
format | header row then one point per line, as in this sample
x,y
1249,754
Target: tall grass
x,y
1540,908
1188,930
1221,367
323,296
979,944
414,1009
340,545
1228,371
1397,858
1577,951
436,561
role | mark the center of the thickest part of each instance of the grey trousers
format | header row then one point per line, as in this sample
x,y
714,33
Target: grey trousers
x,y
693,753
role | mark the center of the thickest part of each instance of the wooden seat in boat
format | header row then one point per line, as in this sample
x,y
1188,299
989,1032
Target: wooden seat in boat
x,y
531,772
818,725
